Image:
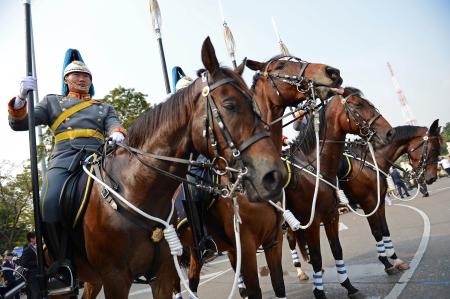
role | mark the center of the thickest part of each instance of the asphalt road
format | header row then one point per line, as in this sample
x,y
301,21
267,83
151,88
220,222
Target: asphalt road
x,y
420,232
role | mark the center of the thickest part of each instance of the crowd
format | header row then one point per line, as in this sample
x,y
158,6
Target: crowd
x,y
15,268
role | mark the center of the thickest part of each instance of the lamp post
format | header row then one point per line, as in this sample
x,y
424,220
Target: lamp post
x,y
156,22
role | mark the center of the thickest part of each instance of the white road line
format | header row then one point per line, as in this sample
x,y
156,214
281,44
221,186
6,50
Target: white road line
x,y
439,189
404,279
342,226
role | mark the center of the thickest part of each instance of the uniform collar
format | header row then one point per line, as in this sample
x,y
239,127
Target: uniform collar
x,y
81,96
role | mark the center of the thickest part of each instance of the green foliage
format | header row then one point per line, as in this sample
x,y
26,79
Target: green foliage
x,y
446,132
16,207
129,104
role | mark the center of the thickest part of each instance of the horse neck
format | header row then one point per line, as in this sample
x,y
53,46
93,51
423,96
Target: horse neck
x,y
269,112
394,150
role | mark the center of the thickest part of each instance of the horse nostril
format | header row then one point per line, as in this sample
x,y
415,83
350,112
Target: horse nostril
x,y
272,180
333,73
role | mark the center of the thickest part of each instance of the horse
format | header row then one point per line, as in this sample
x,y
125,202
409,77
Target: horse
x,y
119,244
280,82
422,145
349,113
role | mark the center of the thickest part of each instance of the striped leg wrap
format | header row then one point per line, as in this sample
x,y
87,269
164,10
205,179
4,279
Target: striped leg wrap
x,y
178,296
241,284
318,282
380,248
295,258
341,271
389,246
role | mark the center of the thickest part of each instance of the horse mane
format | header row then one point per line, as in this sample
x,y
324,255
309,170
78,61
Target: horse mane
x,y
306,138
354,90
403,133
177,108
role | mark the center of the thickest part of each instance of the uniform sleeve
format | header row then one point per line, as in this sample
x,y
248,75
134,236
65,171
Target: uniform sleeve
x,y
18,118
112,123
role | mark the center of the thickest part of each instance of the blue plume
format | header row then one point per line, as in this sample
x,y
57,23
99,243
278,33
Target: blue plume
x,y
177,74
71,55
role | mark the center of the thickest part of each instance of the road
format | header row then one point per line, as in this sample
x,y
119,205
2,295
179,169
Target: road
x,y
420,231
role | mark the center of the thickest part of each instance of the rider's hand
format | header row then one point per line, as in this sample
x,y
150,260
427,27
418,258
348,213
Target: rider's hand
x,y
299,114
285,141
26,85
116,137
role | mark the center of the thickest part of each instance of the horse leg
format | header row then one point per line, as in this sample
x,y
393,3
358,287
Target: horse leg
x,y
312,235
248,269
390,251
91,290
292,241
273,258
116,284
332,231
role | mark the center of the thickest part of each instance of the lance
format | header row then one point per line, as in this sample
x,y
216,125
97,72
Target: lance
x,y
283,48
228,36
33,154
156,22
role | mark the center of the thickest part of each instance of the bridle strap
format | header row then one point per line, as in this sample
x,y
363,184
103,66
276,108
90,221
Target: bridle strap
x,y
253,139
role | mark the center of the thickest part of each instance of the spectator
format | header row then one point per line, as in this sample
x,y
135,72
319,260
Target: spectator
x,y
445,164
399,183
29,261
8,273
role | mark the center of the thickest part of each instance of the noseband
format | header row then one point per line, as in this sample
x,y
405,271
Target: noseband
x,y
423,162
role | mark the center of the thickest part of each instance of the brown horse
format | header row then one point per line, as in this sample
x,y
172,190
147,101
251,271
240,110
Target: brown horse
x,y
423,147
342,115
280,82
118,244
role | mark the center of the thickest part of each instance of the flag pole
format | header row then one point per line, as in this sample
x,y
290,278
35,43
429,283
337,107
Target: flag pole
x,y
156,22
283,49
228,36
33,154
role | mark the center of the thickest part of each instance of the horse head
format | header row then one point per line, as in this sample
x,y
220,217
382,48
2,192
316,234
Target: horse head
x,y
226,128
288,80
359,116
424,152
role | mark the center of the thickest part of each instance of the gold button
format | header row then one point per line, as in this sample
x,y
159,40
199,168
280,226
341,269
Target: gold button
x,y
67,119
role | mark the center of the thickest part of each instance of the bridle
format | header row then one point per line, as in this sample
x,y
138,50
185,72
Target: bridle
x,y
365,127
419,171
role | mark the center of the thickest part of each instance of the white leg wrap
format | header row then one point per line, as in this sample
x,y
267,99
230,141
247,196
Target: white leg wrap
x,y
388,246
380,248
178,296
341,271
241,283
318,282
294,255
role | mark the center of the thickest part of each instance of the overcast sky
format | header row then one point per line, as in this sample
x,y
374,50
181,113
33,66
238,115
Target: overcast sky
x,y
118,45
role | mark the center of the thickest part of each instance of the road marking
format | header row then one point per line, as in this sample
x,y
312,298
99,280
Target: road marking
x,y
404,279
342,226
437,190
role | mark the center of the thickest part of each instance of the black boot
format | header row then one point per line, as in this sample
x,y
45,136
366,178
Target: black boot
x,y
61,276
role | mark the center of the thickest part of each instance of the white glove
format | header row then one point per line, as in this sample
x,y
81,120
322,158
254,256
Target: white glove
x,y
116,137
26,85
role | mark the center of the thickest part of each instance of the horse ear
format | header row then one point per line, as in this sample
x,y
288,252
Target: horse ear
x,y
434,129
240,69
209,58
255,65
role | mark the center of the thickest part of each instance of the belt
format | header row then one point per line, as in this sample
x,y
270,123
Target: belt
x,y
81,133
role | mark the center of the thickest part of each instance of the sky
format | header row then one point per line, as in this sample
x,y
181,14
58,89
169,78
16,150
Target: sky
x,y
118,44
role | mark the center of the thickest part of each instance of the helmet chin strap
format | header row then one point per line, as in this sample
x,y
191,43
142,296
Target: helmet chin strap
x,y
73,85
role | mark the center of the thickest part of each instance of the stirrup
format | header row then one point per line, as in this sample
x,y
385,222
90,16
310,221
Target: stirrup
x,y
208,253
62,280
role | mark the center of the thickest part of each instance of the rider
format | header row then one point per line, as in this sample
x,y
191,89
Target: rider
x,y
80,126
195,200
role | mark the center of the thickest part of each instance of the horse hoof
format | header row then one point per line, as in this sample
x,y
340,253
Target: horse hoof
x,y
303,276
243,292
319,294
357,295
401,265
391,270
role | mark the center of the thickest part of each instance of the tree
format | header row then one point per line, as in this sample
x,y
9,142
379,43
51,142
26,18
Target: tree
x,y
16,208
446,132
129,104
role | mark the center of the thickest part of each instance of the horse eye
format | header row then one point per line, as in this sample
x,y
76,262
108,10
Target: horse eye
x,y
230,105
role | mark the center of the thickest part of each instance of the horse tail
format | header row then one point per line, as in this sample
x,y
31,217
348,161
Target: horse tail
x,y
303,246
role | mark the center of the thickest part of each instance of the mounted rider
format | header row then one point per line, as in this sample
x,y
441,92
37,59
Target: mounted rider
x,y
80,126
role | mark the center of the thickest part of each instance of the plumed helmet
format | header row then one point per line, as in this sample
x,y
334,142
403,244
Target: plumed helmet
x,y
71,56
77,67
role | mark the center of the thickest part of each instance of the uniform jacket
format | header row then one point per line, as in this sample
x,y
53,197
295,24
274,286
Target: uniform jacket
x,y
100,117
29,258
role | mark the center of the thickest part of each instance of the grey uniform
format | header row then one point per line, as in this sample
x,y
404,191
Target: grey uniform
x,y
99,118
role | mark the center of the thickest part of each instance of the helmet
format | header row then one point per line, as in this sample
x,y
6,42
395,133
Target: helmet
x,y
77,66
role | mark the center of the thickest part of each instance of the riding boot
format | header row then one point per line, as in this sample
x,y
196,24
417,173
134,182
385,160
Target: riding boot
x,y
61,276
